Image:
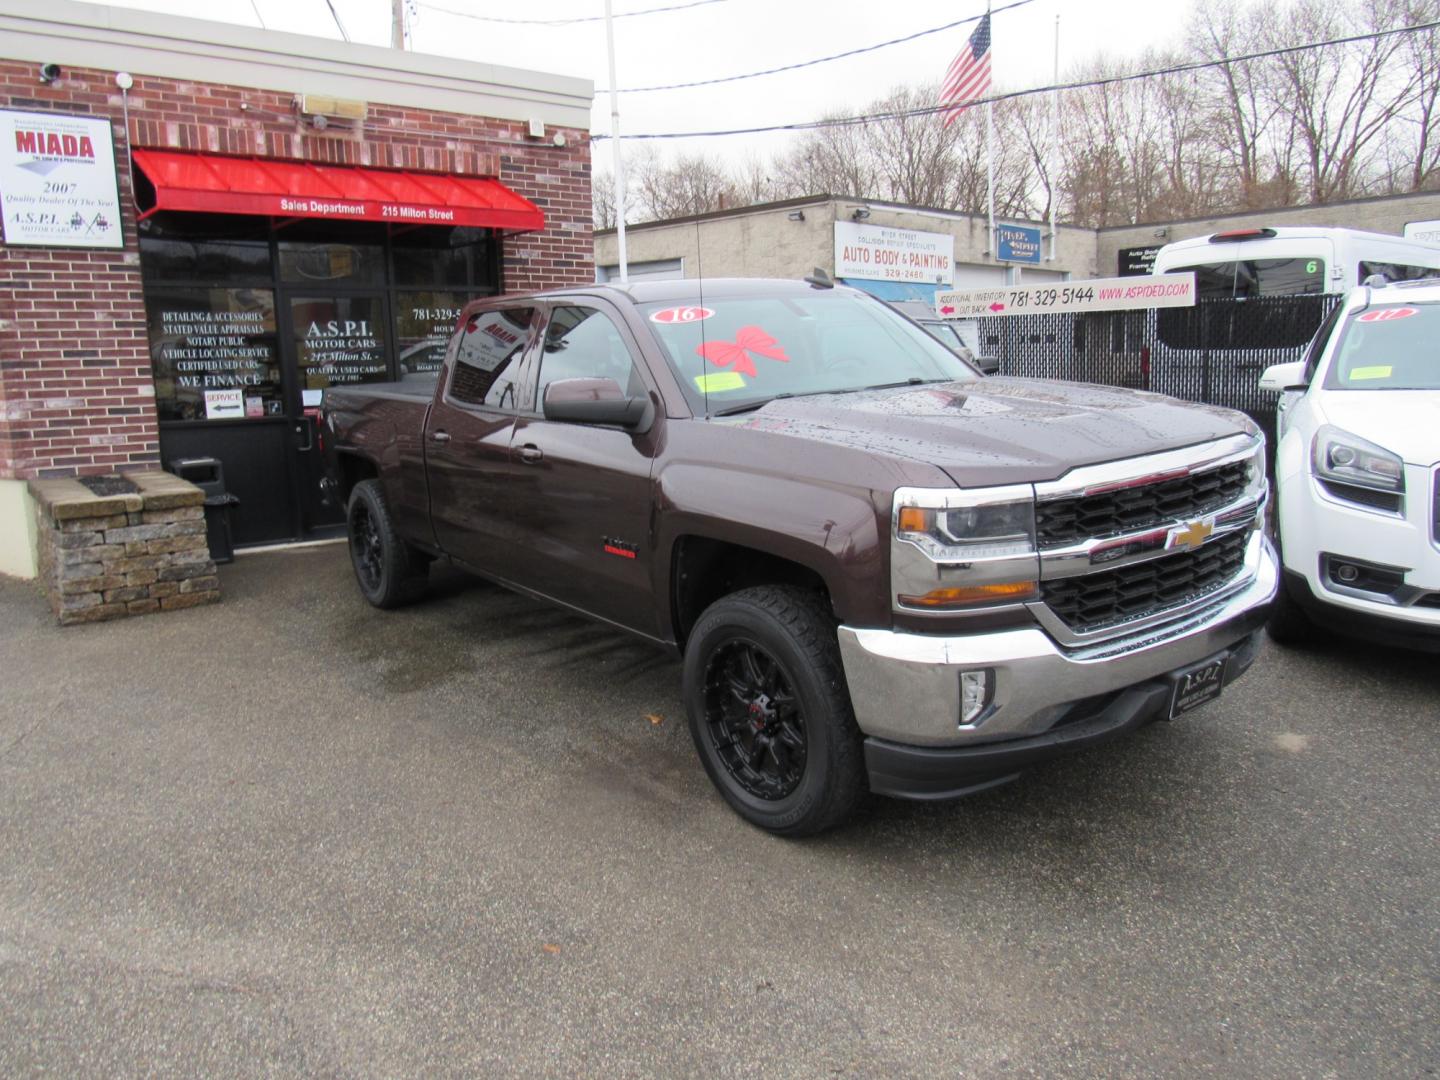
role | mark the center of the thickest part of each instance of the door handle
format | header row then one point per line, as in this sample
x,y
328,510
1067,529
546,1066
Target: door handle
x,y
531,454
440,436
304,430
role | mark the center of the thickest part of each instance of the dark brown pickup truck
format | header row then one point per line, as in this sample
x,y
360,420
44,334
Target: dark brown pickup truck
x,y
883,571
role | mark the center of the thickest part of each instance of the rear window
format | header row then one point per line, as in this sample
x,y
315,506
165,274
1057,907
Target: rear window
x,y
1392,346
1256,277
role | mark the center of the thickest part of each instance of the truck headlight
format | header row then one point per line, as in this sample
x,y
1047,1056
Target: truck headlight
x,y
1349,461
974,547
949,525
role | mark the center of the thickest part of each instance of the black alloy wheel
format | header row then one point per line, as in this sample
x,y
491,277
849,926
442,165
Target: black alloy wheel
x,y
769,711
366,548
388,571
754,720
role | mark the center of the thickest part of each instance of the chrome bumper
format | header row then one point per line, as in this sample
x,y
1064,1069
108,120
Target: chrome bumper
x,y
905,687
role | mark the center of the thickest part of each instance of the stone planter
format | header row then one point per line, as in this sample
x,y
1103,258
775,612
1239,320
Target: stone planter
x,y
123,545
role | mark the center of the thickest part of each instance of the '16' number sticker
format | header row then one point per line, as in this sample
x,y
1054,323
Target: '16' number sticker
x,y
681,314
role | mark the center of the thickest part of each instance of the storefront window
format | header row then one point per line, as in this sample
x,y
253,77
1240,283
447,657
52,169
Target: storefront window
x,y
214,354
458,258
228,250
338,340
322,253
424,324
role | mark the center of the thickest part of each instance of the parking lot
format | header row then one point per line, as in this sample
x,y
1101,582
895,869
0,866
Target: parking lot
x,y
291,834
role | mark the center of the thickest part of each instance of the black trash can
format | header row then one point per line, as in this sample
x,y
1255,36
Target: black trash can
x,y
208,474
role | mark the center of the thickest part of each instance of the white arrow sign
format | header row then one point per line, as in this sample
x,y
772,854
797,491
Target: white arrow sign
x,y
1098,294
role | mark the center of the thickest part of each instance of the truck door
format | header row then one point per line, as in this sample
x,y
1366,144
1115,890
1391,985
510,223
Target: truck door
x,y
582,491
467,439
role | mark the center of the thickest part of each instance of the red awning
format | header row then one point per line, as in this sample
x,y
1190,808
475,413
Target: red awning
x,y
215,184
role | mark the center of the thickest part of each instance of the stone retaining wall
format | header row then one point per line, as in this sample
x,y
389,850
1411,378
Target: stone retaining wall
x,y
108,556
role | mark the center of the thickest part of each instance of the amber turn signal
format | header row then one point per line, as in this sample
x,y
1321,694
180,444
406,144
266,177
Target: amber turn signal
x,y
965,595
912,520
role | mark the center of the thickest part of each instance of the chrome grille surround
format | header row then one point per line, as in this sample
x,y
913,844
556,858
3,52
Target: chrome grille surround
x,y
1236,524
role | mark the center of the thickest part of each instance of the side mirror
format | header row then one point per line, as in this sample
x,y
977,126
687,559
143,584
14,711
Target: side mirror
x,y
595,401
1282,377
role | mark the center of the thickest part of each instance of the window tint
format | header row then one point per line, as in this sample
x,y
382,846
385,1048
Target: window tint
x,y
459,258
487,357
223,250
1256,277
1396,271
582,343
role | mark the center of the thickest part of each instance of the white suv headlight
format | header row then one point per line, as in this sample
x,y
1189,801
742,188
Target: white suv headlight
x,y
1348,460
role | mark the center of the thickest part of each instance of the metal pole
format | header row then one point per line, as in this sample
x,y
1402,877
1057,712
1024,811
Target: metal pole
x,y
990,172
1055,144
397,24
619,148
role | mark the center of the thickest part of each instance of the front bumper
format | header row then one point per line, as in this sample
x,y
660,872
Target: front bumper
x,y
905,687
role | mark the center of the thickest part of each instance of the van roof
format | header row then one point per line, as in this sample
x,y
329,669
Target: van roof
x,y
1295,232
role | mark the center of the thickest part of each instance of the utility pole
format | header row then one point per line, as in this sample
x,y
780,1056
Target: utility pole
x,y
397,24
618,148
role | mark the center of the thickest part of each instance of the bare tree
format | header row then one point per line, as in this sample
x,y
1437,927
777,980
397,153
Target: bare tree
x,y
602,200
691,184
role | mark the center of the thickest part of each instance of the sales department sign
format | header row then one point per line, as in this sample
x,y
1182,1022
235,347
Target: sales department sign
x,y
57,181
877,253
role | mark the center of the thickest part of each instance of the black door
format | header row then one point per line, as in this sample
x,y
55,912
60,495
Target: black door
x,y
331,338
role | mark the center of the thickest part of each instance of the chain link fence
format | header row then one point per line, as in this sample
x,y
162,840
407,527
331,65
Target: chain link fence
x,y
1214,352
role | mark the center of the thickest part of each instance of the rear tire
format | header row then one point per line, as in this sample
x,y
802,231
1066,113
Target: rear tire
x,y
387,570
770,713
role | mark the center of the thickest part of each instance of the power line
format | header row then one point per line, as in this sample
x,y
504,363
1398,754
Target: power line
x,y
818,59
930,110
566,22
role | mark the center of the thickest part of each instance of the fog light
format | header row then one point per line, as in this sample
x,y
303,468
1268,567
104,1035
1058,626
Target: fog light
x,y
1347,573
975,687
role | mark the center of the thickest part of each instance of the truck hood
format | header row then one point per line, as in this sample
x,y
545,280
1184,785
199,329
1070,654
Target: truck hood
x,y
1402,421
1000,430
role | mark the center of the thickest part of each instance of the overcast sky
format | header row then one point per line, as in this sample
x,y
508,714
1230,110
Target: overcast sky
x,y
731,37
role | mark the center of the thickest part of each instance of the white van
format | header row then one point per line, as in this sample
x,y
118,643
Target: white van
x,y
1295,261
1285,281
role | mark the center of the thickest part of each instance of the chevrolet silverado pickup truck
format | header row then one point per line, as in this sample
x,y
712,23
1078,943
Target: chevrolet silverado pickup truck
x,y
883,571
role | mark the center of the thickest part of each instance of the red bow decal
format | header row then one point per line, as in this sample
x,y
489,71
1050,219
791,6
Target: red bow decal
x,y
748,339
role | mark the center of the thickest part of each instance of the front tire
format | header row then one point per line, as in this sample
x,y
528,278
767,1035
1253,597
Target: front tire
x,y
770,713
388,571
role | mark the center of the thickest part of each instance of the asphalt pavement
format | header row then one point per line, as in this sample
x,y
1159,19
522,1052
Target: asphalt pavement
x,y
292,835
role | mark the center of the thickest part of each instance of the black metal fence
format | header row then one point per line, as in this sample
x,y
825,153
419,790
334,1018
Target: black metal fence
x,y
1214,352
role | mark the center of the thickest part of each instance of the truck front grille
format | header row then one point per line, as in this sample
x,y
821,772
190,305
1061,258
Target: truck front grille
x,y
1092,602
1127,509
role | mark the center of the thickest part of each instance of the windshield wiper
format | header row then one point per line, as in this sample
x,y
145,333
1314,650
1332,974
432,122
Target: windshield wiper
x,y
759,403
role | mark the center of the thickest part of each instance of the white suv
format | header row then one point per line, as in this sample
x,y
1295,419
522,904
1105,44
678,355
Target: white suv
x,y
1357,467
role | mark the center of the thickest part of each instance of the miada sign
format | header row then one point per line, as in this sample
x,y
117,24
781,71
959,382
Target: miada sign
x,y
57,181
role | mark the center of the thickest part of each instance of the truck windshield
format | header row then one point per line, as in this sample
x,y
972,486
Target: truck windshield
x,y
1391,347
734,351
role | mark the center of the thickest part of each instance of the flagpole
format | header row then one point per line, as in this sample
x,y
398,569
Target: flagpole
x,y
990,148
615,142
1055,145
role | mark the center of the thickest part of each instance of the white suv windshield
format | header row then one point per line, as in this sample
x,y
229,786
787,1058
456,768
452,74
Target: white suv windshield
x,y
1388,347
733,352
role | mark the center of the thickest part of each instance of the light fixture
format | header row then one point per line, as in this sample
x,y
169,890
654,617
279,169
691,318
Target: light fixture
x,y
1161,232
796,215
860,213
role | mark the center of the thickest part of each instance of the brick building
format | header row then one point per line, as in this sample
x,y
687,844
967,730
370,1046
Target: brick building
x,y
285,213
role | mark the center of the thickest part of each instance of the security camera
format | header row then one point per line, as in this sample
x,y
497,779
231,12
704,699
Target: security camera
x,y
49,72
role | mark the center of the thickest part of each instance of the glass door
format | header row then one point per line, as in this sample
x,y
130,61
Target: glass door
x,y
334,340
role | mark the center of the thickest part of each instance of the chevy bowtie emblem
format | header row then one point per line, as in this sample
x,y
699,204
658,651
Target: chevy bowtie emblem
x,y
1191,535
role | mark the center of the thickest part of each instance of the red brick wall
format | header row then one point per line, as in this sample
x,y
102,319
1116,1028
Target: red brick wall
x,y
75,390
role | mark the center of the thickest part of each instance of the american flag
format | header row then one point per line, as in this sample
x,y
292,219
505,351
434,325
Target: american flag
x,y
969,74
